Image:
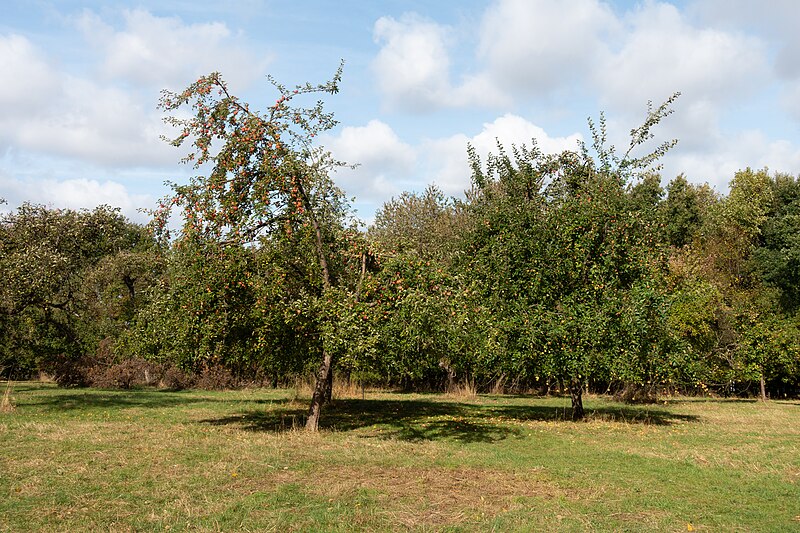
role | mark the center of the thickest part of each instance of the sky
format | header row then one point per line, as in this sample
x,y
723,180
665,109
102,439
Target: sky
x,y
80,82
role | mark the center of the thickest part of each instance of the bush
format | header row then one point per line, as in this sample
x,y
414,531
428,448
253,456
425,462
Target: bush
x,y
632,393
176,379
129,373
67,371
216,378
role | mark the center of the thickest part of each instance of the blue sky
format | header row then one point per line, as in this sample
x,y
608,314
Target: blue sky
x,y
81,80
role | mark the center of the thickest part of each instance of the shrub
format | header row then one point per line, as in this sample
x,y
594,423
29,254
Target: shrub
x,y
632,393
216,378
68,371
174,378
129,373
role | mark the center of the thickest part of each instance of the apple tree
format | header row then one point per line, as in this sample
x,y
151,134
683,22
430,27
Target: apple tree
x,y
263,183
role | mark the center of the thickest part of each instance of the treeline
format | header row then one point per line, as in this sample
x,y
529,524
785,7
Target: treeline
x,y
529,283
567,272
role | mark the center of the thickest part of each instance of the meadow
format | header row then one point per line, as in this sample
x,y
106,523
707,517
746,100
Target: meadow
x,y
150,460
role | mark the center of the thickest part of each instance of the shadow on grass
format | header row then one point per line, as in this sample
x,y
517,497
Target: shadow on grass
x,y
420,420
405,418
707,399
56,399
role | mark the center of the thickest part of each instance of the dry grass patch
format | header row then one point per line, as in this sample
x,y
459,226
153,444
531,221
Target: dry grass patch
x,y
429,496
793,474
7,403
465,390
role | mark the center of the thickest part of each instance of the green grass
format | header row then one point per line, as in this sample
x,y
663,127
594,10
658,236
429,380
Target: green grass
x,y
89,460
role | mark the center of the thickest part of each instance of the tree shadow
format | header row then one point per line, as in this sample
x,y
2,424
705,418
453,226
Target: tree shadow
x,y
424,420
700,399
89,399
412,419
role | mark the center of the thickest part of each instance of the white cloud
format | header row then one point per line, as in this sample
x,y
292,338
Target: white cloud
x,y
512,129
74,194
534,46
775,23
791,99
446,159
717,165
28,80
413,67
388,166
97,124
61,133
166,52
413,64
383,160
112,121
662,53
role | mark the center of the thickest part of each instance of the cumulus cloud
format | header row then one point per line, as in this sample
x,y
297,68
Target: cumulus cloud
x,y
413,64
112,120
388,166
29,81
97,124
74,194
61,131
413,67
663,53
718,165
533,46
446,159
774,23
540,47
384,162
166,52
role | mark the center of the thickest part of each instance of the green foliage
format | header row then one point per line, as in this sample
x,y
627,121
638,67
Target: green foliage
x,y
767,347
264,171
200,314
776,259
70,279
558,272
730,302
422,225
267,187
570,258
682,212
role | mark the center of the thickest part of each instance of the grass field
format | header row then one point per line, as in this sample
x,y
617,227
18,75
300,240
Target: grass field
x,y
92,460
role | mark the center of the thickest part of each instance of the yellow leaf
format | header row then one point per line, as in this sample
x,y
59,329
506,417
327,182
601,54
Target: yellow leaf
x,y
689,527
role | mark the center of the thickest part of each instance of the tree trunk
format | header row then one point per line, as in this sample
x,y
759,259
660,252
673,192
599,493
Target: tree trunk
x,y
328,387
324,381
763,388
576,393
320,390
130,284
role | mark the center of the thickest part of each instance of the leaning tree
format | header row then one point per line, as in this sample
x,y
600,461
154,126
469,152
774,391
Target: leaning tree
x,y
263,183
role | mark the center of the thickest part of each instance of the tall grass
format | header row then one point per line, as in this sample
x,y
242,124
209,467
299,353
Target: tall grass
x,y
7,403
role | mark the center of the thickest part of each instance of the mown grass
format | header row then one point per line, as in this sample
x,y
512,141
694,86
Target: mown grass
x,y
89,460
